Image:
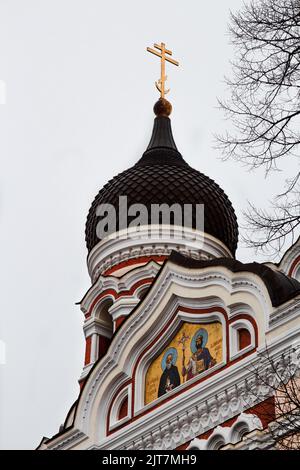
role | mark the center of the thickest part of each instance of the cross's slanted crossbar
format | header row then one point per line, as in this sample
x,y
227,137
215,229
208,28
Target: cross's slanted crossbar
x,y
153,51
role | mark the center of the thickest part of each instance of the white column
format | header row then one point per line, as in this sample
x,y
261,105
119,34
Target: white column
x,y
94,348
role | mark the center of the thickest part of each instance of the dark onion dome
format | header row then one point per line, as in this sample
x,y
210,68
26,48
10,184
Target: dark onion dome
x,y
163,176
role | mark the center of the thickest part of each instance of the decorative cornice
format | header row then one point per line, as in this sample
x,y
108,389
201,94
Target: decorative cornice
x,y
95,325
120,285
285,313
113,251
70,438
267,439
228,434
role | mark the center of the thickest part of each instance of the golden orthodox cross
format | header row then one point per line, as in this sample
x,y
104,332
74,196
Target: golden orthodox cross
x,y
183,340
164,56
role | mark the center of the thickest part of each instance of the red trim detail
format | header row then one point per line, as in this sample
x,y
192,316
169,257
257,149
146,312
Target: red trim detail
x,y
81,383
117,295
130,262
119,321
123,410
226,424
88,345
265,411
244,338
183,446
252,321
103,294
228,363
294,264
135,286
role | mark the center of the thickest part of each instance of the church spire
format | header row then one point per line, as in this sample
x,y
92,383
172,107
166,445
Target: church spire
x,y
162,136
162,132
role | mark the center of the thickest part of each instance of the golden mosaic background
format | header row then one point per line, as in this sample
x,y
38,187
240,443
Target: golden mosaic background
x,y
214,344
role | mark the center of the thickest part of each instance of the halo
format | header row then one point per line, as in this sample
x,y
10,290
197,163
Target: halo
x,y
174,353
201,332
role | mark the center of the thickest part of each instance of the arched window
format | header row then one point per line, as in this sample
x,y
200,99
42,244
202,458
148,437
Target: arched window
x,y
123,410
244,338
104,316
99,339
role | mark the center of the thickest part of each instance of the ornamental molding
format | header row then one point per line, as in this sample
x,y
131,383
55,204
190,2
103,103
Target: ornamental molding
x,y
119,285
73,437
228,434
96,326
255,440
266,439
129,244
285,313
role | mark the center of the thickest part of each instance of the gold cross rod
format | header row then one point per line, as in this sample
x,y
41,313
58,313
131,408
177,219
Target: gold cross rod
x,y
160,84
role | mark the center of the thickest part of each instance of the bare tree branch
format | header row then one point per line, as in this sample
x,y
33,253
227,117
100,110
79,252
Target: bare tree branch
x,y
264,108
279,398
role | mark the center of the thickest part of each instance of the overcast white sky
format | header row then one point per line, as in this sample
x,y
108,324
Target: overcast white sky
x,y
80,92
